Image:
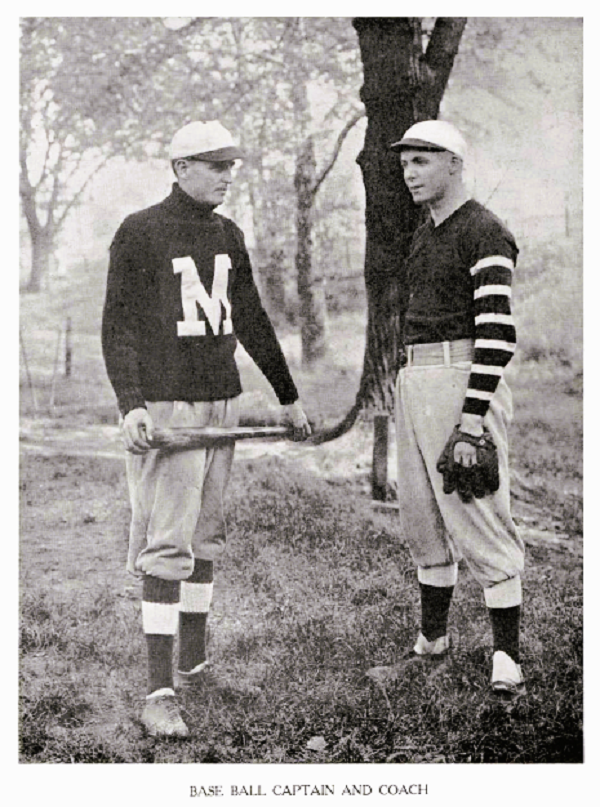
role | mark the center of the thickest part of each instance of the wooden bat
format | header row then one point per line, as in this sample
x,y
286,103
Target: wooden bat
x,y
195,437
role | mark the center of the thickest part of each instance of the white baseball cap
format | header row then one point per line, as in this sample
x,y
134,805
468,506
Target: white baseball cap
x,y
433,135
207,141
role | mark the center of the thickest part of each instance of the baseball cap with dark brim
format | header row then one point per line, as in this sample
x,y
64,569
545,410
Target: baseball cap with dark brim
x,y
419,145
219,155
204,141
432,135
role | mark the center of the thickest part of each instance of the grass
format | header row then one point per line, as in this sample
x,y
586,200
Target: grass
x,y
315,590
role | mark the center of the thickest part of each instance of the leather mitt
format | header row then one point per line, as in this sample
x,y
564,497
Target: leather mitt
x,y
477,480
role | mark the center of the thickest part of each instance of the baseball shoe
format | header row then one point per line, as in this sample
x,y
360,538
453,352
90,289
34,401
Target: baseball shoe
x,y
507,679
424,651
199,677
434,650
161,717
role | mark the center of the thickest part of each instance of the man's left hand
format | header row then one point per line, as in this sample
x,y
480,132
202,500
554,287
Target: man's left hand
x,y
480,475
293,415
466,453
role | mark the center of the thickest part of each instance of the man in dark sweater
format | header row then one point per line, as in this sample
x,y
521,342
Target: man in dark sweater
x,y
180,294
459,336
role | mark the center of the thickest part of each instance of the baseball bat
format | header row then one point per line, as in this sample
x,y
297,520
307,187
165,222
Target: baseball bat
x,y
208,437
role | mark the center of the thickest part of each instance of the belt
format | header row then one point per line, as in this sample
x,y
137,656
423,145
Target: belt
x,y
444,353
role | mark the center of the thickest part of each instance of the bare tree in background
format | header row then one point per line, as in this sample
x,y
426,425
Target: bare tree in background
x,y
307,182
405,75
301,51
83,100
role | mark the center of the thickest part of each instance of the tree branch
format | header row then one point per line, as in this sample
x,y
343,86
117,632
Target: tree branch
x,y
77,196
444,41
56,184
27,193
44,171
437,63
359,114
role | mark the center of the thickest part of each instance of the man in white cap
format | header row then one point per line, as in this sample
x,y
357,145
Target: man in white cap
x,y
453,403
180,294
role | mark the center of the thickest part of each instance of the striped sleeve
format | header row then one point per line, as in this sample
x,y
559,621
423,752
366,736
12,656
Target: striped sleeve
x,y
495,334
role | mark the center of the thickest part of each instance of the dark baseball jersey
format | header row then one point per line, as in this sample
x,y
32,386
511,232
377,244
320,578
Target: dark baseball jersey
x,y
180,293
460,276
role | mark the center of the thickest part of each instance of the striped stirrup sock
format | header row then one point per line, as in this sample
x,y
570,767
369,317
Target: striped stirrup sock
x,y
196,597
506,623
435,605
160,612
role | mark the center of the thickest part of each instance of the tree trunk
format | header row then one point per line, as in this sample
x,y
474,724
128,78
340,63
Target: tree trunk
x,y
311,297
402,85
41,249
260,248
41,235
268,258
313,318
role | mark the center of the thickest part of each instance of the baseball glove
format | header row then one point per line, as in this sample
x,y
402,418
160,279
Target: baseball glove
x,y
476,480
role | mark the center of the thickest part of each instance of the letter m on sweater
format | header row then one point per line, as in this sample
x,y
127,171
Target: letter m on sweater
x,y
193,294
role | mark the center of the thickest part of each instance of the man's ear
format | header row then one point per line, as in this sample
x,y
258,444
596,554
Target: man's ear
x,y
456,164
177,165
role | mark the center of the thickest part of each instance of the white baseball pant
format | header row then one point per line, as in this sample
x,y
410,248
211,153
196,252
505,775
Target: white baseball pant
x,y
440,528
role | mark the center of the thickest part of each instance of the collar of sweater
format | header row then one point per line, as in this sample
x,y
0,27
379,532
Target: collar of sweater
x,y
185,206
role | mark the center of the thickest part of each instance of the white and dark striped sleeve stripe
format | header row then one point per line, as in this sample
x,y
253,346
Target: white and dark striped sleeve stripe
x,y
495,334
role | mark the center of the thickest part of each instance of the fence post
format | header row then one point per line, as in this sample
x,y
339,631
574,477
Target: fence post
x,y
28,374
68,350
56,365
380,457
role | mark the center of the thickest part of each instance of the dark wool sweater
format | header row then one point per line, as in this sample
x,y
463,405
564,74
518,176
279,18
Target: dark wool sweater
x,y
460,276
179,295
